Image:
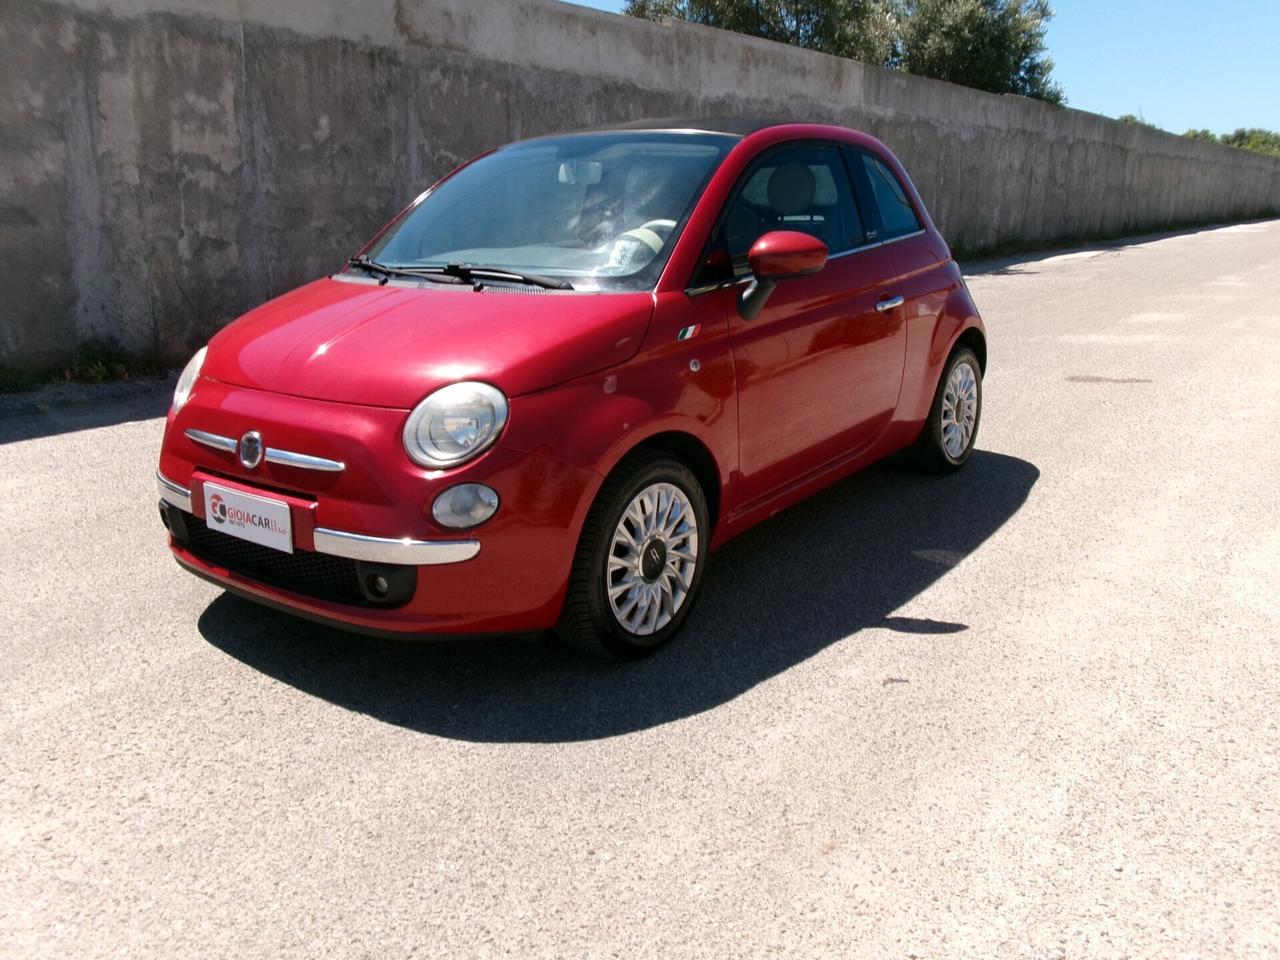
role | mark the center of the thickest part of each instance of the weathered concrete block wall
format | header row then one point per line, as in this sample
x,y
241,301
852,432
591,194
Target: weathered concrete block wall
x,y
164,164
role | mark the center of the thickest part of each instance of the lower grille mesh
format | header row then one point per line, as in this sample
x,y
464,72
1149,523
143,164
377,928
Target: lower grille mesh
x,y
314,574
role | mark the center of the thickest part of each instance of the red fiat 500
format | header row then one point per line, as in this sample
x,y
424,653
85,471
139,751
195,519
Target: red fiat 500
x,y
545,392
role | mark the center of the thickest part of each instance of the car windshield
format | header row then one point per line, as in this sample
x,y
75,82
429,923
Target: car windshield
x,y
601,211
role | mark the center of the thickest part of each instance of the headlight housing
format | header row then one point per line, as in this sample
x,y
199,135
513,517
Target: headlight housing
x,y
464,506
454,424
187,379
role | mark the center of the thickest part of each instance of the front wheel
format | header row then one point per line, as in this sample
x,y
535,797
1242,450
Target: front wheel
x,y
949,433
639,561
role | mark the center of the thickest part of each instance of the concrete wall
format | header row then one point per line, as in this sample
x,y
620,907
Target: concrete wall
x,y
164,164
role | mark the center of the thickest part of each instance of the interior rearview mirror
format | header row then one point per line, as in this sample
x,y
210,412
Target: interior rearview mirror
x,y
586,172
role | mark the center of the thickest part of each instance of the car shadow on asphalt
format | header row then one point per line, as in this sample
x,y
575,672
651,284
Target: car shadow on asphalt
x,y
821,571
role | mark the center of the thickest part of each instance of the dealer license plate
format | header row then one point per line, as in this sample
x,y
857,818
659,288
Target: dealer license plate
x,y
248,516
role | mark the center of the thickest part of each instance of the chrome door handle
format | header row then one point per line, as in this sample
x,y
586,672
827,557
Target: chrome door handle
x,y
884,306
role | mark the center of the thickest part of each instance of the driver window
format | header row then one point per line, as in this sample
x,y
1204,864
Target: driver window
x,y
800,187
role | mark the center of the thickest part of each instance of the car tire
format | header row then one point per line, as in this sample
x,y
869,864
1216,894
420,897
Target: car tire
x,y
947,440
639,561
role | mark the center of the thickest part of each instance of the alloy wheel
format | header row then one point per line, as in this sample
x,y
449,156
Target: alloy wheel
x,y
652,559
959,409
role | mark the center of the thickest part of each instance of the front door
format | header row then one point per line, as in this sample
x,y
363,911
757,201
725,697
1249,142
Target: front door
x,y
819,369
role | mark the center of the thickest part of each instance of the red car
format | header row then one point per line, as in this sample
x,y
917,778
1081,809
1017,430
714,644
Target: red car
x,y
567,372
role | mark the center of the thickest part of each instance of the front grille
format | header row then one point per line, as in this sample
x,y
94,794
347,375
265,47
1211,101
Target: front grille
x,y
314,574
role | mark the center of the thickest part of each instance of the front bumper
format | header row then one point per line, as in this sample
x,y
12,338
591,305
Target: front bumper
x,y
355,546
507,575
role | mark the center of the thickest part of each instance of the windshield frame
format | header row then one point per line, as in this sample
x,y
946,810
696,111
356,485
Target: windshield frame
x,y
645,279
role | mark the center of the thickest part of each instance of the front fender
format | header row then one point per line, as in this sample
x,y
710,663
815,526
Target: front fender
x,y
595,421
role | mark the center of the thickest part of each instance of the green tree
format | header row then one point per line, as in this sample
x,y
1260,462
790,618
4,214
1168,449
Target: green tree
x,y
858,29
995,45
1255,139
1201,135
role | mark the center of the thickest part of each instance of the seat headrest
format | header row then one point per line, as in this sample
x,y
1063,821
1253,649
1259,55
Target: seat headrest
x,y
791,189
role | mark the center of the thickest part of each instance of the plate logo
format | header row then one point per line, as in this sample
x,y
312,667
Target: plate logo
x,y
251,449
249,516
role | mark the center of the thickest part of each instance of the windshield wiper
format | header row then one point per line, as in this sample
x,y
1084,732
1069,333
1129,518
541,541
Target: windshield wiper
x,y
457,273
372,266
472,273
389,270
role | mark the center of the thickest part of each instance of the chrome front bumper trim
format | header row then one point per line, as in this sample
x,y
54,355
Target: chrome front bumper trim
x,y
283,458
170,492
287,458
213,441
357,546
421,553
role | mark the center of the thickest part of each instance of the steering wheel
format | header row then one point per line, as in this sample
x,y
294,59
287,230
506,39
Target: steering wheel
x,y
641,244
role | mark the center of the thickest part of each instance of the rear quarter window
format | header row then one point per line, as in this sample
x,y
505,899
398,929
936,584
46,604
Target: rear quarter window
x,y
897,219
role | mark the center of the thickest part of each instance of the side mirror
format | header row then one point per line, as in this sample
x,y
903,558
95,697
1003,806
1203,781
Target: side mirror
x,y
779,255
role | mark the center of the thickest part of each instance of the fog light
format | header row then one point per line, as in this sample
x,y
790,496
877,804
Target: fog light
x,y
466,505
378,586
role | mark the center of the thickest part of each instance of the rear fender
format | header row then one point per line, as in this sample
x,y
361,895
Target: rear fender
x,y
958,316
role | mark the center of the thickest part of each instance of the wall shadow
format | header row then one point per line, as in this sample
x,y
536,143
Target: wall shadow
x,y
842,561
64,408
1018,263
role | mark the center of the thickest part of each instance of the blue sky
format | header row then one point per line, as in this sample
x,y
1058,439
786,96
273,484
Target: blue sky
x,y
1177,63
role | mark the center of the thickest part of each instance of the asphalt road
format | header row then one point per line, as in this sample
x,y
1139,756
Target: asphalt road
x,y
1031,710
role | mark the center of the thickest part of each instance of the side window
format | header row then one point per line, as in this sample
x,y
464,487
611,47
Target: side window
x,y
896,216
794,187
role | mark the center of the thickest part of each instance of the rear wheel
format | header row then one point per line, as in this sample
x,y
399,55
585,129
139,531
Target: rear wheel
x,y
949,433
639,561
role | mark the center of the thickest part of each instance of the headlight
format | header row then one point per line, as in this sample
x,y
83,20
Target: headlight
x,y
454,424
187,379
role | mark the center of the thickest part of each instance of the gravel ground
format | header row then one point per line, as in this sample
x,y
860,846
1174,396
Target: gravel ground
x,y
1031,710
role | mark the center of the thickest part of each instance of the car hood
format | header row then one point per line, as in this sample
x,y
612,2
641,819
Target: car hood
x,y
392,345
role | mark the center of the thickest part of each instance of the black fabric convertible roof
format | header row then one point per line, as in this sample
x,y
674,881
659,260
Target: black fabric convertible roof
x,y
731,126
